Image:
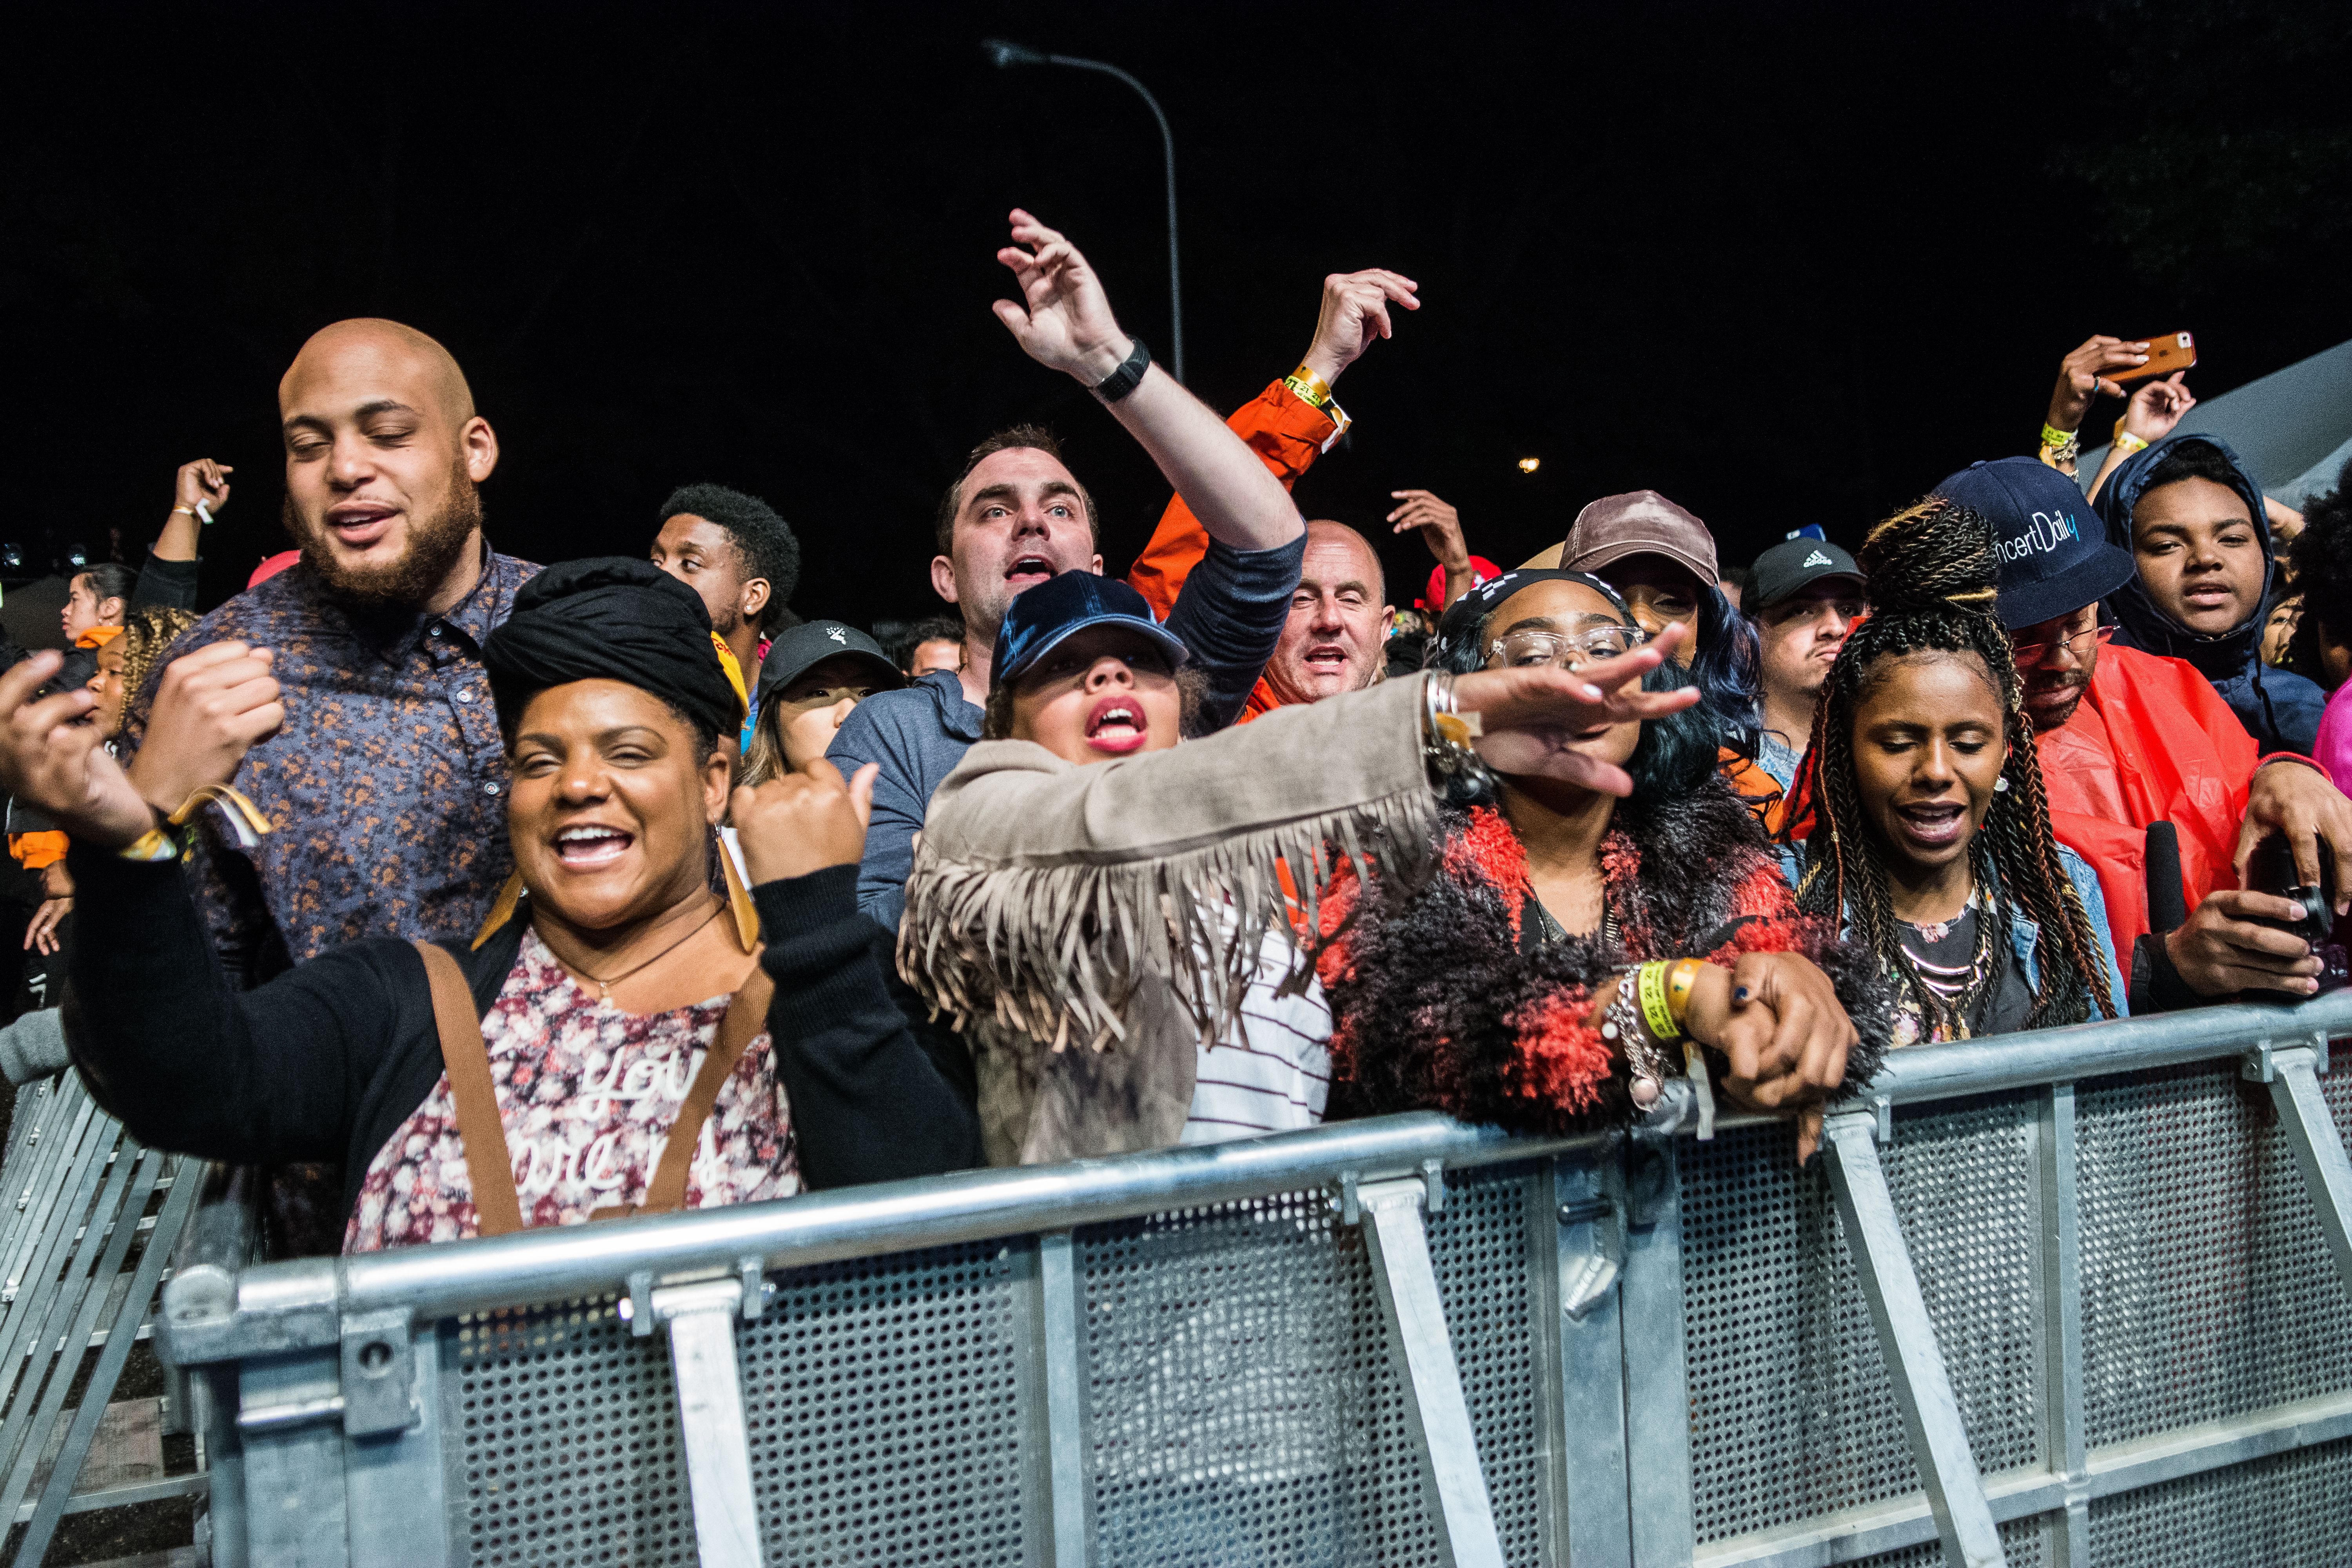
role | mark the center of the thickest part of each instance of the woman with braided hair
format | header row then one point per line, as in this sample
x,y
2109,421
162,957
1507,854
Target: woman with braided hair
x,y
1931,834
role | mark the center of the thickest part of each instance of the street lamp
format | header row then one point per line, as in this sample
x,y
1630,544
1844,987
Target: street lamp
x,y
1007,56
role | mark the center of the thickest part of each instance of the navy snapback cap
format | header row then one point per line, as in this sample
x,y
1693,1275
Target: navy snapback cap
x,y
1042,617
2054,554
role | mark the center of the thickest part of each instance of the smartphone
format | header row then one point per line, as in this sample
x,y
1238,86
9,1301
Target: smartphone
x,y
2171,351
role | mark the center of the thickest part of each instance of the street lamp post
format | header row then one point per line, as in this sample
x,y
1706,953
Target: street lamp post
x,y
1007,56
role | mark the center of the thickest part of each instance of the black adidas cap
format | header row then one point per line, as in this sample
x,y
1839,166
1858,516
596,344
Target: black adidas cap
x,y
1793,564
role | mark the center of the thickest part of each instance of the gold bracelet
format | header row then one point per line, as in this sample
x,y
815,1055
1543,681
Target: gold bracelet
x,y
1681,980
1655,1014
1309,387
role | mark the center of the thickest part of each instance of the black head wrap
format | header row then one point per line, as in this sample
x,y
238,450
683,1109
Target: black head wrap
x,y
611,617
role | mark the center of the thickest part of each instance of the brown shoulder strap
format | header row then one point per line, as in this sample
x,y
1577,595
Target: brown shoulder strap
x,y
490,1163
746,1016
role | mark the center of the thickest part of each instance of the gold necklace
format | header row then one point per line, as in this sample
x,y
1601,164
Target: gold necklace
x,y
604,987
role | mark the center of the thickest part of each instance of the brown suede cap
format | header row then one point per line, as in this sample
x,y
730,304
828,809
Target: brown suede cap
x,y
1642,522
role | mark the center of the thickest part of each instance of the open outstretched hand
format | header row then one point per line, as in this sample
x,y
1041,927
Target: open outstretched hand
x,y
1531,715
1064,319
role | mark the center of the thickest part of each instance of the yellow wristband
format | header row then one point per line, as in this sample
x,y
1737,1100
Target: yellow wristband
x,y
1652,988
1309,387
1681,980
2053,438
2126,442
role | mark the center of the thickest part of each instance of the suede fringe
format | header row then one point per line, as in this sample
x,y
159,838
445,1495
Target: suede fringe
x,y
1057,952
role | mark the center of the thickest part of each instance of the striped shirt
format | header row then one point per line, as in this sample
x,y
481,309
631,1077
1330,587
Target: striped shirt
x,y
1271,1071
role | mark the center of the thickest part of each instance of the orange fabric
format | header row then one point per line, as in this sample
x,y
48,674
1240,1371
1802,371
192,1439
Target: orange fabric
x,y
1756,789
2152,742
97,636
36,851
1288,432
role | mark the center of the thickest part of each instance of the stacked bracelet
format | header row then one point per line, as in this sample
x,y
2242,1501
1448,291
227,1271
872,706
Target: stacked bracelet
x,y
1621,1025
1309,387
2126,442
1446,733
2061,448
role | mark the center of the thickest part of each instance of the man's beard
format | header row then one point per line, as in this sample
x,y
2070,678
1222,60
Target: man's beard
x,y
435,544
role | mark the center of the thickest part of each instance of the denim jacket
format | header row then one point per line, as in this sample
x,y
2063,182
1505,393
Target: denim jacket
x,y
2024,934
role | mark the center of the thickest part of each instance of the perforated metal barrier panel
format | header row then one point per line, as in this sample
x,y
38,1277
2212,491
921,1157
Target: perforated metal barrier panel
x,y
2134,1300
880,1397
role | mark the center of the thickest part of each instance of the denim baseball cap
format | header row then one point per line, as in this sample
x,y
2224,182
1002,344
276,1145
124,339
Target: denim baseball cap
x,y
2054,554
1042,617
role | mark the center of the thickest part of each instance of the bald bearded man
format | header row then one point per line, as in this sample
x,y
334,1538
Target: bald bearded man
x,y
386,789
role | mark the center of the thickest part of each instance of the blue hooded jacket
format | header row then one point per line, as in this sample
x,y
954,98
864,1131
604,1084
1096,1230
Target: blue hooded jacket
x,y
2280,710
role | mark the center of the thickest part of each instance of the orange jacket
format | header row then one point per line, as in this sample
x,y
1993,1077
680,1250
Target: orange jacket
x,y
2152,742
1288,432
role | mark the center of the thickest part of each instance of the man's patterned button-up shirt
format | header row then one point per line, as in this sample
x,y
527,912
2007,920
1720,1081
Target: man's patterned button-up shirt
x,y
386,789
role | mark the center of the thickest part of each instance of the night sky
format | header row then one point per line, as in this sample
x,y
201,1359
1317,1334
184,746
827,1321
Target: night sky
x,y
1785,263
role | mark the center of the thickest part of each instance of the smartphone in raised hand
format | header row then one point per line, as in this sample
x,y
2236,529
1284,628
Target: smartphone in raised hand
x,y
2166,353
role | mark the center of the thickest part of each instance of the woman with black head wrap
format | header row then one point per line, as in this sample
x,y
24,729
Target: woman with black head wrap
x,y
608,1041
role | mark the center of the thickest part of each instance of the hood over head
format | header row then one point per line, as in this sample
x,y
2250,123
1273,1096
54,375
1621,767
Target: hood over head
x,y
2142,623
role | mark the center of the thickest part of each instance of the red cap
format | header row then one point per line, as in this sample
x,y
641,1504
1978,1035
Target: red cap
x,y
272,566
1481,571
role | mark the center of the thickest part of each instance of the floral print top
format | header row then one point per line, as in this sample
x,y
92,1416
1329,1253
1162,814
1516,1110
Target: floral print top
x,y
386,787
587,1094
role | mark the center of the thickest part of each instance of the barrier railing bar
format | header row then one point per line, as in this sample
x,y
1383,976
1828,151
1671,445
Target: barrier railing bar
x,y
111,1360
162,1490
2318,1146
35,1233
1851,1534
1657,1383
64,1117
31,1420
285,1306
1906,1341
554,1265
2083,1051
1579,1361
2058,1297
702,1320
1435,1410
1053,1400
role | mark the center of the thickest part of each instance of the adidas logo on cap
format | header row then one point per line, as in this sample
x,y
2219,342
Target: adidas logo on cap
x,y
1818,559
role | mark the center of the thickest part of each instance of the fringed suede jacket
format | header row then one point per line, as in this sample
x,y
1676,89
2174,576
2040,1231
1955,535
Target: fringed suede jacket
x,y
1060,912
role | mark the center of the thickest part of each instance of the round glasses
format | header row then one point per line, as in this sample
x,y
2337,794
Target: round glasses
x,y
1562,650
2029,654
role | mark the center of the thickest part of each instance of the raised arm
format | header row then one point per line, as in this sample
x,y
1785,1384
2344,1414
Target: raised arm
x,y
1282,426
878,1090
1063,322
184,1062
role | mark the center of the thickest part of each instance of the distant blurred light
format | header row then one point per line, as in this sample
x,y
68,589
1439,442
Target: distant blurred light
x,y
1529,465
12,555
78,557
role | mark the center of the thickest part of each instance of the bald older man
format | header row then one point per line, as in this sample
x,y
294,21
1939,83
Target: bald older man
x,y
387,786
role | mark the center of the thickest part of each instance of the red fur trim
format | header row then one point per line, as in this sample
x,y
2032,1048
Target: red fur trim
x,y
1562,1061
1491,847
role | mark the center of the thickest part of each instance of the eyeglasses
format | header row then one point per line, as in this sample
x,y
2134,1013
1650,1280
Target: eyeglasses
x,y
2029,654
1564,650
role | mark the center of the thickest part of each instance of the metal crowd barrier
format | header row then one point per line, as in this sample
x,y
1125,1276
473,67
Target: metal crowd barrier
x,y
83,1255
2069,1298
